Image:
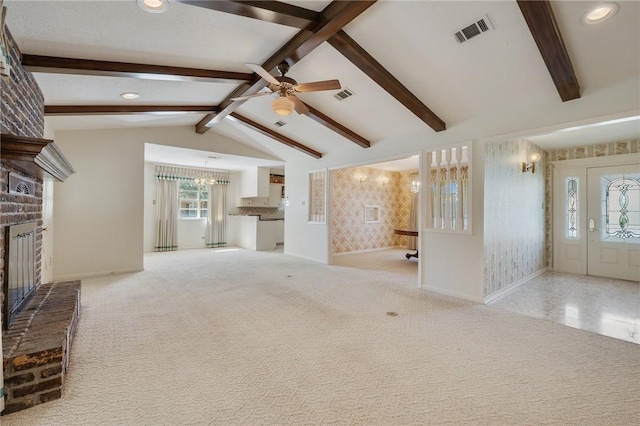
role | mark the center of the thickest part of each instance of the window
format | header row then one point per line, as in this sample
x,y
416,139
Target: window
x,y
448,197
317,196
571,207
193,199
621,212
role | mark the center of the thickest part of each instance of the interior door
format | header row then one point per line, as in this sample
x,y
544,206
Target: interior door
x,y
613,222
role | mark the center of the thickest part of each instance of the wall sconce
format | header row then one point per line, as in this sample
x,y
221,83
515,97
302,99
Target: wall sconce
x,y
530,165
362,178
385,181
415,186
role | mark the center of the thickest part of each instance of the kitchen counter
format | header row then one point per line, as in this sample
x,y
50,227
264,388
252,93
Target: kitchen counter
x,y
260,218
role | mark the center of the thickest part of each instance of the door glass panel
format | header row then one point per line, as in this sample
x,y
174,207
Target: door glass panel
x,y
571,207
620,208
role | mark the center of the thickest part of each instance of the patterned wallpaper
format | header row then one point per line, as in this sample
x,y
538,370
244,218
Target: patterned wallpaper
x,y
590,151
514,218
389,190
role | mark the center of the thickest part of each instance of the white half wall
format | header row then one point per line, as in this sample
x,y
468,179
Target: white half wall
x,y
452,264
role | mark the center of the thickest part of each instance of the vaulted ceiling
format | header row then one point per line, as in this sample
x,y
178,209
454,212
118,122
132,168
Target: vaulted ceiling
x,y
401,59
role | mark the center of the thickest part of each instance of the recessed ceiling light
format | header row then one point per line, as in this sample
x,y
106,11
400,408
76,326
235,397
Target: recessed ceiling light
x,y
154,6
130,95
600,13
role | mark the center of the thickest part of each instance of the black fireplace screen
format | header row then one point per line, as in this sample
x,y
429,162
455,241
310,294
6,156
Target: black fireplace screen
x,y
20,272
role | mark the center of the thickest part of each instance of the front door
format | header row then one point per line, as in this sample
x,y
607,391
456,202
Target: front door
x,y
613,222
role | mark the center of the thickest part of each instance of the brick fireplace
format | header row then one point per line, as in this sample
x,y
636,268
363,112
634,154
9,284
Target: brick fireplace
x,y
35,345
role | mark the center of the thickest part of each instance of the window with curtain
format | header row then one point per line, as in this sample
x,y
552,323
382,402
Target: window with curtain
x,y
179,195
448,191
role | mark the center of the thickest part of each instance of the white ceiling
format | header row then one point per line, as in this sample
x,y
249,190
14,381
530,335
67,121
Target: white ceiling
x,y
492,85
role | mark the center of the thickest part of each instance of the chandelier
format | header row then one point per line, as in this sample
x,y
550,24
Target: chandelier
x,y
203,178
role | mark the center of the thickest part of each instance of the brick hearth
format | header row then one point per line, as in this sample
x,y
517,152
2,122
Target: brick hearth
x,y
36,346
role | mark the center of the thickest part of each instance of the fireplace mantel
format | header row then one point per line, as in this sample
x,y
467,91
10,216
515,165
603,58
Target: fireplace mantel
x,y
36,157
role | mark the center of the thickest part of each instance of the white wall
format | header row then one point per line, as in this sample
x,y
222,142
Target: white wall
x,y
101,213
98,211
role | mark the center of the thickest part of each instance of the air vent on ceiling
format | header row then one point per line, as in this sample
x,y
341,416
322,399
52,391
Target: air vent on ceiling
x,y
343,94
280,123
476,29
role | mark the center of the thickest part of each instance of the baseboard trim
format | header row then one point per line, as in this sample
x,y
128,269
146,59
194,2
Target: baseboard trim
x,y
453,294
490,298
368,250
73,277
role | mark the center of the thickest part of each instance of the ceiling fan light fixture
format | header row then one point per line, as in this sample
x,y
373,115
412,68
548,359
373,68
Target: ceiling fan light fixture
x,y
282,106
600,13
154,6
130,95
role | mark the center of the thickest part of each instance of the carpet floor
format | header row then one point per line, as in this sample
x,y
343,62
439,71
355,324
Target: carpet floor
x,y
236,337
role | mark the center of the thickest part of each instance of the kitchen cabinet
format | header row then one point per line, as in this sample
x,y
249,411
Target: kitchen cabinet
x,y
275,194
279,231
254,182
254,234
254,202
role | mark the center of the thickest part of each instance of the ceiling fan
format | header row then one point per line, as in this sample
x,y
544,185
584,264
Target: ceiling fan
x,y
286,88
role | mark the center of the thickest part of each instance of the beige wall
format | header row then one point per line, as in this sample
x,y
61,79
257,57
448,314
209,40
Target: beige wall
x,y
387,189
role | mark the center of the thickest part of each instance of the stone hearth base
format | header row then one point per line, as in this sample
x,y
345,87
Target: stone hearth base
x,y
36,346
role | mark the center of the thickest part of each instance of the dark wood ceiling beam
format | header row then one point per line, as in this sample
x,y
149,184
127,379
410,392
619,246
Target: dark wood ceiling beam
x,y
273,134
544,29
331,20
331,124
367,64
58,65
125,109
269,11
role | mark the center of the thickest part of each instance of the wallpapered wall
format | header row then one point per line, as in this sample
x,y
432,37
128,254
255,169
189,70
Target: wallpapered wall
x,y
514,215
389,190
590,151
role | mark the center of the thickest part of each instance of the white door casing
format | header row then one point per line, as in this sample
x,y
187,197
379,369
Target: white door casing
x,y
572,253
613,214
46,268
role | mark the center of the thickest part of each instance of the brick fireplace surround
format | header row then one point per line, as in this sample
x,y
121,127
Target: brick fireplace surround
x,y
36,345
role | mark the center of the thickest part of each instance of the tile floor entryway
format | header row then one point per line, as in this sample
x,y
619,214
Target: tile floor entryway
x,y
600,305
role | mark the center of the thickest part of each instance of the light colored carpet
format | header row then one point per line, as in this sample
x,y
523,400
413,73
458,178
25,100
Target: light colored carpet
x,y
239,337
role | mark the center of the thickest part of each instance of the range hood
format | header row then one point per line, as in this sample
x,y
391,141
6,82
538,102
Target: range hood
x,y
35,157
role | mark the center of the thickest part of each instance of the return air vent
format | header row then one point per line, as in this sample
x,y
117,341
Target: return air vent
x,y
280,123
476,29
343,94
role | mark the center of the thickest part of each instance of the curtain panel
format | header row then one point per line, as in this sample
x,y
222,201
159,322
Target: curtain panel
x,y
175,173
166,215
216,234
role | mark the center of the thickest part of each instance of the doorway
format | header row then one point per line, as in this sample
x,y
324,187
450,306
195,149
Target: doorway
x,y
597,217
368,204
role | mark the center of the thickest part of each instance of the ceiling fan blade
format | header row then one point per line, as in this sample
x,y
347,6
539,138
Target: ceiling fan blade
x,y
298,105
263,73
255,95
318,85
